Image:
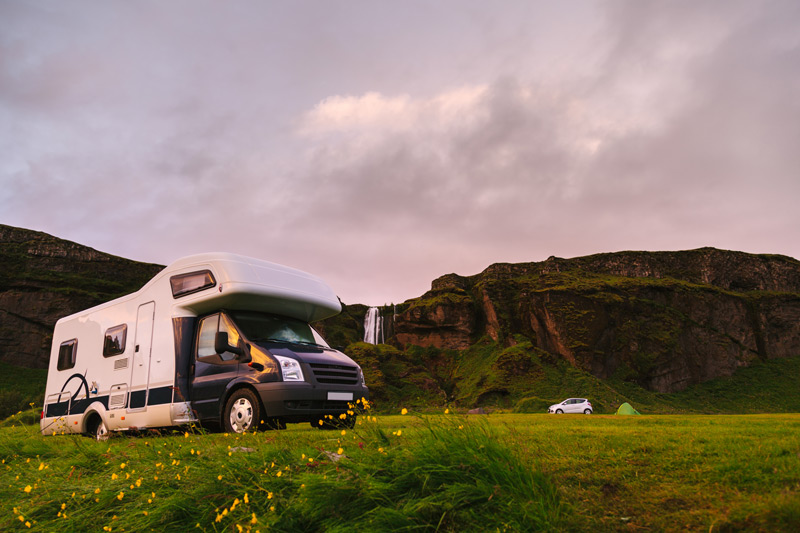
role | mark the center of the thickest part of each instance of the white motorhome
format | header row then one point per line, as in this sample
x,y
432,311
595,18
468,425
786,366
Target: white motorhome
x,y
214,338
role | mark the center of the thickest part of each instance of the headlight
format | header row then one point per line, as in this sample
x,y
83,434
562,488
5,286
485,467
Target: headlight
x,y
290,368
361,375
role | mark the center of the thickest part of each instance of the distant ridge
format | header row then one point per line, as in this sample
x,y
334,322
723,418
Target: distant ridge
x,y
43,278
515,334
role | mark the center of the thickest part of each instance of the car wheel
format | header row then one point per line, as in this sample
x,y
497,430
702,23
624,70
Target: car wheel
x,y
587,411
559,412
242,412
101,432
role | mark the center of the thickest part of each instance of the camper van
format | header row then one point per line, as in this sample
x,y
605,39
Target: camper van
x,y
217,339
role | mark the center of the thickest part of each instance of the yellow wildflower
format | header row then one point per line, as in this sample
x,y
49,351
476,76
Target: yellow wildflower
x,y
279,473
254,520
120,495
28,488
340,451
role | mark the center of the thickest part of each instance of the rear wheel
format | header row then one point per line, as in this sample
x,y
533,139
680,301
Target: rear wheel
x,y
587,411
242,412
97,428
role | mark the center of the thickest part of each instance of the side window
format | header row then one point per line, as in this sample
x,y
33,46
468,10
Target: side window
x,y
205,339
66,354
209,326
114,343
227,326
183,284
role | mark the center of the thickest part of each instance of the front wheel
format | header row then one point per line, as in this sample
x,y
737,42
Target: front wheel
x,y
242,412
559,412
587,411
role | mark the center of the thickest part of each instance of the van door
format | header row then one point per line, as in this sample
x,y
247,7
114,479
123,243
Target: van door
x,y
140,372
212,371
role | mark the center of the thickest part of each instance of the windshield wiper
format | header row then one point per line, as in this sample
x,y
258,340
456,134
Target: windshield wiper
x,y
309,343
284,341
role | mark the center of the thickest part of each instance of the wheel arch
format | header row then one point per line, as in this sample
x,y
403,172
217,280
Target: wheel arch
x,y
232,388
96,412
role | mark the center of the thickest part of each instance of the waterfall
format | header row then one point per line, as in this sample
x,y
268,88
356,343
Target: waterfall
x,y
373,326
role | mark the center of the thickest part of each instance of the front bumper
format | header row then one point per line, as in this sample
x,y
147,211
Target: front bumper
x,y
302,402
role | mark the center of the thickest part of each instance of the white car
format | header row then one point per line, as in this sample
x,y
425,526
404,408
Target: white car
x,y
572,405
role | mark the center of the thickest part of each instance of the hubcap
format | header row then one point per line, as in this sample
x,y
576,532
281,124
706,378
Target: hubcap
x,y
241,415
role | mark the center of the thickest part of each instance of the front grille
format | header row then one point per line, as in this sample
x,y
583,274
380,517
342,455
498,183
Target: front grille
x,y
335,374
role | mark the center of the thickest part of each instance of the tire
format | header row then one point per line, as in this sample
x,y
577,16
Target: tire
x,y
97,429
587,411
559,412
242,412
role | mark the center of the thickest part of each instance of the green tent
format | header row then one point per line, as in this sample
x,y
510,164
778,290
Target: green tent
x,y
627,409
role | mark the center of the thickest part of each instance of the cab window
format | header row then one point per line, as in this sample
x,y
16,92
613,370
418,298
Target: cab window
x,y
207,333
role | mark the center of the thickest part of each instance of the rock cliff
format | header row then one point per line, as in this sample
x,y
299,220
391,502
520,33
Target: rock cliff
x,y
665,320
662,320
43,278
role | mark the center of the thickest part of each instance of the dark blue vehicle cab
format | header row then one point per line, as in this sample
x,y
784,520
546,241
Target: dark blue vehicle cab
x,y
252,369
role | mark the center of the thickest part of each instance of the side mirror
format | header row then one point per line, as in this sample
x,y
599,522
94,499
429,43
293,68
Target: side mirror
x,y
221,344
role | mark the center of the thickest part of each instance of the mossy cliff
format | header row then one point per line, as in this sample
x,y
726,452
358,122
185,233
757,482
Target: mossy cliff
x,y
43,278
629,326
664,320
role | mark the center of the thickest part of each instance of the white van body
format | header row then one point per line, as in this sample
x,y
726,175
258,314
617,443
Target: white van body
x,y
136,362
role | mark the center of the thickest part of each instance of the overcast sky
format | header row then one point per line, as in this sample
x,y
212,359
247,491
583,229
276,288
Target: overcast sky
x,y
382,144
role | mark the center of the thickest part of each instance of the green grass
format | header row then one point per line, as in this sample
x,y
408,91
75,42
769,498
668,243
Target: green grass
x,y
451,472
20,387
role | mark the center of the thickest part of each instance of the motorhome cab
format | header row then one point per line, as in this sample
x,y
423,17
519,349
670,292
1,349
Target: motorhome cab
x,y
215,338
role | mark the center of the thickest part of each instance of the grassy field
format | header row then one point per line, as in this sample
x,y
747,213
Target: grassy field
x,y
502,472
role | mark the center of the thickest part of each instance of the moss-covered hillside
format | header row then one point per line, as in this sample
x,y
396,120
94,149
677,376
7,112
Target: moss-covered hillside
x,y
43,278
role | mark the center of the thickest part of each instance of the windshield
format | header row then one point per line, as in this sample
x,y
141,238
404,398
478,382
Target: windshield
x,y
264,327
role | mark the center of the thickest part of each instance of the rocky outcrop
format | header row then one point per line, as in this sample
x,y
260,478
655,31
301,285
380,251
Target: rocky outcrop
x,y
665,320
43,278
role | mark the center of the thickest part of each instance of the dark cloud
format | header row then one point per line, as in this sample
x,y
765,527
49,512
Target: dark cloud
x,y
382,146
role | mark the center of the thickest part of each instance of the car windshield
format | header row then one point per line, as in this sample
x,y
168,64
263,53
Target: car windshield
x,y
261,327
